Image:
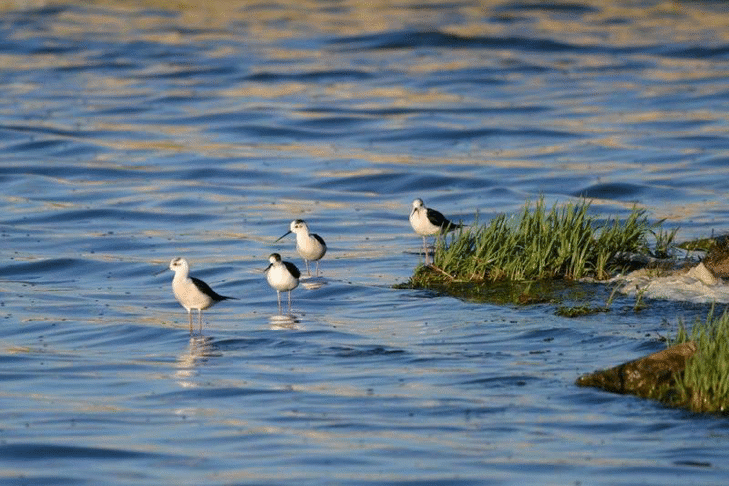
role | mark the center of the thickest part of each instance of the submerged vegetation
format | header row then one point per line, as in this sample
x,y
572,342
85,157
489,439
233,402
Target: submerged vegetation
x,y
580,310
539,244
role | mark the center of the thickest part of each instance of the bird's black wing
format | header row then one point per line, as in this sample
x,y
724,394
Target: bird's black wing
x,y
292,269
319,239
436,218
205,289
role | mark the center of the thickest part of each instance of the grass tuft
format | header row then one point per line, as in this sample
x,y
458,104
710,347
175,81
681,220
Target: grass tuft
x,y
704,384
539,244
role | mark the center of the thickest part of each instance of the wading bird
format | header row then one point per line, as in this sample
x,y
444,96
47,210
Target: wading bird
x,y
192,293
310,246
282,276
427,222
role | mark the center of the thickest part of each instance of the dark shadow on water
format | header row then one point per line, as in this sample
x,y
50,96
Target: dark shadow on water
x,y
45,452
517,293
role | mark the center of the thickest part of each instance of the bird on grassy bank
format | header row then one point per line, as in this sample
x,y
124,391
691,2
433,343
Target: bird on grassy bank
x,y
310,246
427,221
192,293
282,276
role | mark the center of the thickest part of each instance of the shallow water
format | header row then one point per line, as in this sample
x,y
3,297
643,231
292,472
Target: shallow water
x,y
131,134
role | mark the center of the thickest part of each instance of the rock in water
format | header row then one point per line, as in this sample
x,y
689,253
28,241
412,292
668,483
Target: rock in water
x,y
649,377
703,274
717,259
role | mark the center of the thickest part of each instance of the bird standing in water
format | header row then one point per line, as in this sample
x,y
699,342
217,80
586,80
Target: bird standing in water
x,y
310,246
192,293
427,222
282,276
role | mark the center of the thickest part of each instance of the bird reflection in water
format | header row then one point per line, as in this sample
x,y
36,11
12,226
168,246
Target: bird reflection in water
x,y
199,351
312,283
284,322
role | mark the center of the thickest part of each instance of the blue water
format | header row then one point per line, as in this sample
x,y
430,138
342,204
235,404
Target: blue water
x,y
131,134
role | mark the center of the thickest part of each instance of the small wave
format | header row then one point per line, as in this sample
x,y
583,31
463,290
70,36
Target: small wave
x,y
626,191
545,335
217,118
339,124
214,173
436,39
715,142
431,134
613,190
196,394
268,131
390,182
103,214
310,76
106,66
194,73
571,8
40,145
365,351
501,381
65,171
52,47
696,52
46,452
55,148
400,182
50,136
237,344
51,265
428,110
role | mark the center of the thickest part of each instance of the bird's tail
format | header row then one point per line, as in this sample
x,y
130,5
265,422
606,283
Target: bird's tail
x,y
451,226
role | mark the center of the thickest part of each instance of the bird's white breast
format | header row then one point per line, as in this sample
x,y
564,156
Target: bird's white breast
x,y
421,224
189,296
280,279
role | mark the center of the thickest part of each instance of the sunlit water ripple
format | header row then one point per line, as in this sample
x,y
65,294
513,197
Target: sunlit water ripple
x,y
133,134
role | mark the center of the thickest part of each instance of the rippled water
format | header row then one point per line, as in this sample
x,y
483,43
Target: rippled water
x,y
131,134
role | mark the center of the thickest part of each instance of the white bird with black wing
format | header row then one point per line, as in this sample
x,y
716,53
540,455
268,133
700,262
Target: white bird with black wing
x,y
192,293
427,221
282,276
310,246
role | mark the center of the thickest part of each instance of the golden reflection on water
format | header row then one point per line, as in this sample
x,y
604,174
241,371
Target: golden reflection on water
x,y
352,17
265,27
261,31
672,20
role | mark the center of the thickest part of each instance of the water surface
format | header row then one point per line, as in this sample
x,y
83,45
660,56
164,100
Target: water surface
x,y
131,134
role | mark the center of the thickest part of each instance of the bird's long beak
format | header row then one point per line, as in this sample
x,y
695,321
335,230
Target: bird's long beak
x,y
160,272
287,233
